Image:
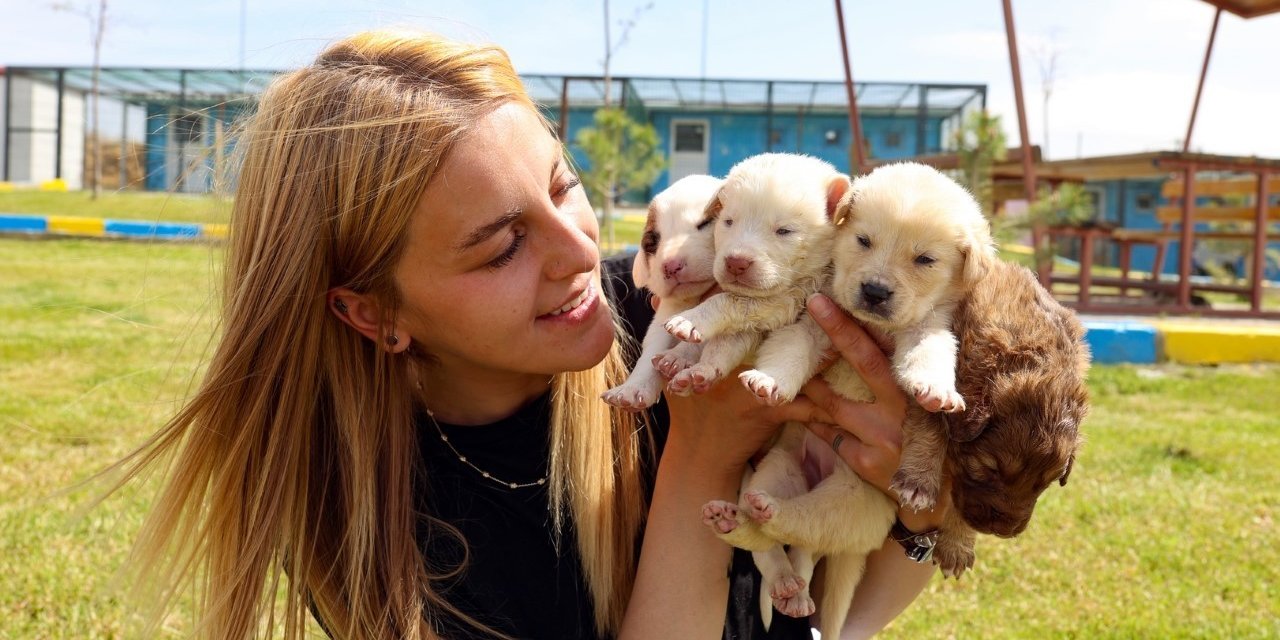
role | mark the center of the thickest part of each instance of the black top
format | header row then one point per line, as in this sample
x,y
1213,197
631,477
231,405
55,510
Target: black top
x,y
516,579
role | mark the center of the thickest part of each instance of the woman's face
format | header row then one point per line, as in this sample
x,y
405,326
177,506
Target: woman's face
x,y
501,271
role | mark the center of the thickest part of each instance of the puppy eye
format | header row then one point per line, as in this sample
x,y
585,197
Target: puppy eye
x,y
649,242
924,260
728,222
705,223
864,241
783,231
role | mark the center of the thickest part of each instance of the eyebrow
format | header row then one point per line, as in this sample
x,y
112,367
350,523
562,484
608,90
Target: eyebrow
x,y
485,232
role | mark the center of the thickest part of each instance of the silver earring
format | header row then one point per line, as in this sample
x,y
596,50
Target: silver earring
x,y
340,306
393,340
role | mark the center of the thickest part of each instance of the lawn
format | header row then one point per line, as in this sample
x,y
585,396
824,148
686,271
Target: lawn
x,y
1166,529
119,205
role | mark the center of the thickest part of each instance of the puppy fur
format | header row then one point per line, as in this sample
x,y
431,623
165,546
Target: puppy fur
x,y
1022,367
675,264
911,245
773,229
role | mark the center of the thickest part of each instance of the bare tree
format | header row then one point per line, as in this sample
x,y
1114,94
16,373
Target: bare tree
x,y
1046,55
610,48
97,29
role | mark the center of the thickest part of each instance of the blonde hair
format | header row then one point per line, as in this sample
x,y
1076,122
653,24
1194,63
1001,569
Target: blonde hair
x,y
291,468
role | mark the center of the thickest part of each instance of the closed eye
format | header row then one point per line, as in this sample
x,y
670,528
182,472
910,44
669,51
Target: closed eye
x,y
925,260
783,231
705,223
864,241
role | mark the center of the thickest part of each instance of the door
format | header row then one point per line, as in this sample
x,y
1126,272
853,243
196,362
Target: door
x,y
690,144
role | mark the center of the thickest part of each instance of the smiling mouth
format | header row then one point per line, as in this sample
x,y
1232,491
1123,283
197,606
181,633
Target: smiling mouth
x,y
572,304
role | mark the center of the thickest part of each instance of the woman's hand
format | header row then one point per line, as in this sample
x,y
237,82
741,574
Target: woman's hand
x,y
872,442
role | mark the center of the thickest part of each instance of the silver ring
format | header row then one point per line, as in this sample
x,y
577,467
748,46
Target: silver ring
x,y
835,444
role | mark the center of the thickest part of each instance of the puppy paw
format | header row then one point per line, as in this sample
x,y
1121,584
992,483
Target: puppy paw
x,y
764,387
914,493
720,515
952,558
760,506
672,362
696,379
797,606
683,329
785,587
632,397
935,398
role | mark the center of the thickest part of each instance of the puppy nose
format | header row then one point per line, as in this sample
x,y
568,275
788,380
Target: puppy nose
x,y
672,268
737,265
875,294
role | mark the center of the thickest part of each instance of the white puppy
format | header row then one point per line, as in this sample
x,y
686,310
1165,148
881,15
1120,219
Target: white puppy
x,y
674,263
773,236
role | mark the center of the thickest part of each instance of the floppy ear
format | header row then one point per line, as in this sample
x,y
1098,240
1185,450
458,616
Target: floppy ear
x,y
1071,462
648,244
969,424
713,208
837,187
979,252
844,208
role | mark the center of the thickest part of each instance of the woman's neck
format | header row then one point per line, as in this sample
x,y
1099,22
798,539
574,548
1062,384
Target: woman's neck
x,y
477,397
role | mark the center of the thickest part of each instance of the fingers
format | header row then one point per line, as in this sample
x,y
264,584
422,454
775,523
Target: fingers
x,y
801,409
846,445
855,345
870,422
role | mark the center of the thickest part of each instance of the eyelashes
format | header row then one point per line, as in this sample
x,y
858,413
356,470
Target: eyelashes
x,y
508,255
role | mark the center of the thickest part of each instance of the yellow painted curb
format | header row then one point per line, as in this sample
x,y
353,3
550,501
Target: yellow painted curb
x,y
57,184
1207,343
76,226
6,187
213,230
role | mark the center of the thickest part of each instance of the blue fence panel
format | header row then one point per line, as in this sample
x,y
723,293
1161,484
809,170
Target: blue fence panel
x,y
18,223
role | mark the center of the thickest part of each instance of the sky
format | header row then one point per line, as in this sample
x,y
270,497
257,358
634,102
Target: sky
x,y
1123,81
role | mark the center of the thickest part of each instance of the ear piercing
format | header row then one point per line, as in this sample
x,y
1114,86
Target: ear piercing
x,y
340,306
393,340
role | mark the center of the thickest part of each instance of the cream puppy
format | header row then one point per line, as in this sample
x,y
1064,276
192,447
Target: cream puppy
x,y
674,263
773,232
911,245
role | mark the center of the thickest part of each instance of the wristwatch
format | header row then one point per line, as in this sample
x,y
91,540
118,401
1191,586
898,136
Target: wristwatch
x,y
919,546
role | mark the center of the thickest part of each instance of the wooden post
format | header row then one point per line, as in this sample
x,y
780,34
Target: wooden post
x,y
1260,241
1187,238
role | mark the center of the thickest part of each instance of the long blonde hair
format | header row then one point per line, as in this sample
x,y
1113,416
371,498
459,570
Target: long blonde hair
x,y
291,468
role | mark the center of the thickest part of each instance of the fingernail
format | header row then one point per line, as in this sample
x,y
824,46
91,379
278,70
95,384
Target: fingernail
x,y
821,306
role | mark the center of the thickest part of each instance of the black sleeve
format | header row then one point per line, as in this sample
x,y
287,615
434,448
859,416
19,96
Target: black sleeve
x,y
742,619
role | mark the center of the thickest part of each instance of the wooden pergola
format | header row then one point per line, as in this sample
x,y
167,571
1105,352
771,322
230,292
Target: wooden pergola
x,y
1184,162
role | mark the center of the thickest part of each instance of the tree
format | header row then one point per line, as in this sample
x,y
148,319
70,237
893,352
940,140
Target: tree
x,y
97,28
979,144
610,48
622,154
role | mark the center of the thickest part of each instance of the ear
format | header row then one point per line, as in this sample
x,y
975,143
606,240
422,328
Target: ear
x,y
837,187
640,267
979,253
713,208
844,207
1071,462
361,312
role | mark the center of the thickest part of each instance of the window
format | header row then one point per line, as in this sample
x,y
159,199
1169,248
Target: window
x,y
1145,201
691,137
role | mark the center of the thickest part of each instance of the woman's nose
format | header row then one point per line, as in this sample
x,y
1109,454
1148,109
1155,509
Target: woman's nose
x,y
573,248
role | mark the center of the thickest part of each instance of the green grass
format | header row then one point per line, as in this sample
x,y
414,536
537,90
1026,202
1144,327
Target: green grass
x,y
119,205
1166,529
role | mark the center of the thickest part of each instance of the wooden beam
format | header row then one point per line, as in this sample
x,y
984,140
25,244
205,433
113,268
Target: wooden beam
x,y
1216,214
1242,186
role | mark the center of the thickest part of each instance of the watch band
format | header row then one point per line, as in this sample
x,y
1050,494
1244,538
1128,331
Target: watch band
x,y
919,546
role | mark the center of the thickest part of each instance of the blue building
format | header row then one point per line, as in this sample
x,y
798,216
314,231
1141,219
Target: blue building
x,y
181,120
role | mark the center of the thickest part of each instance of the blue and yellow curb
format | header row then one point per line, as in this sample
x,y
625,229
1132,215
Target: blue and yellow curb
x,y
16,223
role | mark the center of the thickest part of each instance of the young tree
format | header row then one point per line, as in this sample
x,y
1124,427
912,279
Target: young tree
x,y
622,154
979,144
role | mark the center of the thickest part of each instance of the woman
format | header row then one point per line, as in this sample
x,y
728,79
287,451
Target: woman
x,y
415,335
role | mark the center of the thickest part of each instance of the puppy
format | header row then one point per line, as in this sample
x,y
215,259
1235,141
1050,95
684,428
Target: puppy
x,y
1022,368
675,264
911,246
772,221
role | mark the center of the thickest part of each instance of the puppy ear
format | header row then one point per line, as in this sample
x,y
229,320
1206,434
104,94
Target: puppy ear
x,y
837,187
713,208
969,424
648,245
979,252
1071,462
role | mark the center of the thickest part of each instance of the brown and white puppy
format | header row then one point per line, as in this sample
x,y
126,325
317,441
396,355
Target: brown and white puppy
x,y
675,264
1022,368
773,230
